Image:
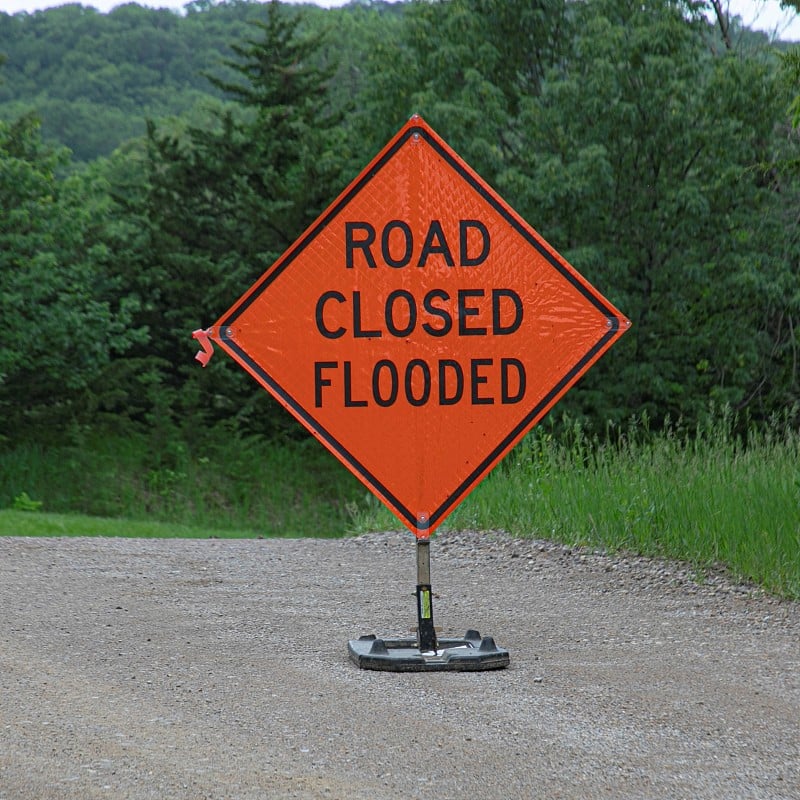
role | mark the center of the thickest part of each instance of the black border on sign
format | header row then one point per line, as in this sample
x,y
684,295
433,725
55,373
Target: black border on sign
x,y
332,442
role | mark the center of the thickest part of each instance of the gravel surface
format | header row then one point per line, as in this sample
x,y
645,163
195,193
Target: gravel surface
x,y
218,669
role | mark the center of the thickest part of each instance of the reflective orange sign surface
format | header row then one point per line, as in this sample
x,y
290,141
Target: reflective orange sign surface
x,y
419,328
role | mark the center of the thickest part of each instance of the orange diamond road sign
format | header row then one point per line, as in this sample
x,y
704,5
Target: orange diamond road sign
x,y
419,328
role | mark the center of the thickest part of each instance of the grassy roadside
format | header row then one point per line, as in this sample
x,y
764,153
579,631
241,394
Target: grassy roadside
x,y
226,484
25,523
704,497
709,499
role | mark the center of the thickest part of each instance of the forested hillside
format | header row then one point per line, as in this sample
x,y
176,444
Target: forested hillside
x,y
657,154
94,78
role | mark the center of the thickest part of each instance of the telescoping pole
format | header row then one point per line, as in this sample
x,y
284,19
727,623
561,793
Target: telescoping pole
x,y
426,634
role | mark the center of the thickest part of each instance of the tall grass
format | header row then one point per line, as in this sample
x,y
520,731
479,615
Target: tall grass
x,y
710,498
227,483
706,496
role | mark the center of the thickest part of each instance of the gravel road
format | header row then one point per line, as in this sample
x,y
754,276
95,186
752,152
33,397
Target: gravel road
x,y
218,669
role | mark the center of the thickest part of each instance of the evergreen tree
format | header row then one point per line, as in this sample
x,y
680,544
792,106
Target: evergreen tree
x,y
224,201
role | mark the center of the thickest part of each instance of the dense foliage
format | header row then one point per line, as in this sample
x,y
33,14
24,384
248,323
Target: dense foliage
x,y
656,152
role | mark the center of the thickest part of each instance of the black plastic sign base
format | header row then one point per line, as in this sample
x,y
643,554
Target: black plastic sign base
x,y
470,654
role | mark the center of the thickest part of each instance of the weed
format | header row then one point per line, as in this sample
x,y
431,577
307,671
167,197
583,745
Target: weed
x,y
23,502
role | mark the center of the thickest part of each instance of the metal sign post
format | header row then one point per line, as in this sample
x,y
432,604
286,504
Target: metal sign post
x,y
427,653
426,633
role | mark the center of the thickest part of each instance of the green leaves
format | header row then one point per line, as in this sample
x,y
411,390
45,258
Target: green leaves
x,y
61,328
223,199
641,151
661,165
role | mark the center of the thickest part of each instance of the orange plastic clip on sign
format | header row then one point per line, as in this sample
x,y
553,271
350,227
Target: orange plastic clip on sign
x,y
419,328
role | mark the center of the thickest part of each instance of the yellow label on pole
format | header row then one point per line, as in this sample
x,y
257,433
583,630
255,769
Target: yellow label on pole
x,y
425,601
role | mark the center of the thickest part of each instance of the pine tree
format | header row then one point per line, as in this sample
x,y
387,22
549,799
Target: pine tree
x,y
223,201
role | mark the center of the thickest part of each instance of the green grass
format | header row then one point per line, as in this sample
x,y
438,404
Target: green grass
x,y
25,523
228,484
706,497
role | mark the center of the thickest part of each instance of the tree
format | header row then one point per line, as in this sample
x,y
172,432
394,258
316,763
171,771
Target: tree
x,y
672,219
61,328
786,316
462,65
221,202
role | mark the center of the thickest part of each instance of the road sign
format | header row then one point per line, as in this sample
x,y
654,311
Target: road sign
x,y
419,328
